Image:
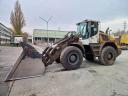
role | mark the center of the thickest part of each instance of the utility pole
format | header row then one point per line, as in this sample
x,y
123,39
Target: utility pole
x,y
0,37
47,22
55,33
55,37
124,26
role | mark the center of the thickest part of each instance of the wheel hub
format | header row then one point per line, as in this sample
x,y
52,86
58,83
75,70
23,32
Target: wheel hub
x,y
110,56
73,58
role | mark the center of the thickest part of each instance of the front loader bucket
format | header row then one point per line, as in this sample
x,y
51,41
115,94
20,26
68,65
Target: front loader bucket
x,y
28,65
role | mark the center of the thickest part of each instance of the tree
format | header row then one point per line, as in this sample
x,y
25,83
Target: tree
x,y
17,19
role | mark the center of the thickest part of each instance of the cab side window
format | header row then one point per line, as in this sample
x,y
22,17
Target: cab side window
x,y
94,29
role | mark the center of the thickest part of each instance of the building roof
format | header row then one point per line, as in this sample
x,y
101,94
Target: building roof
x,y
5,28
51,33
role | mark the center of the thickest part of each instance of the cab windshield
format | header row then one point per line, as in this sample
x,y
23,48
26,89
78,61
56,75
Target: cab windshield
x,y
87,29
82,30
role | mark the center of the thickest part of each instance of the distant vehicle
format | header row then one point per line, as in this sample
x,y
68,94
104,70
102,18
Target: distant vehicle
x,y
17,39
124,41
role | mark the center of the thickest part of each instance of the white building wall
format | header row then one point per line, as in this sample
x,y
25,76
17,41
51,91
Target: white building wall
x,y
5,34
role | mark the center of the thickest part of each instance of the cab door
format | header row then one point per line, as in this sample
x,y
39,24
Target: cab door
x,y
94,34
85,33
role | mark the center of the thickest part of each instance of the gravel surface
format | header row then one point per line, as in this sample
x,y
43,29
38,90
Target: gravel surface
x,y
92,79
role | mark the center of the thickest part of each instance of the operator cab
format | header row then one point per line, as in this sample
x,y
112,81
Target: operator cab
x,y
88,30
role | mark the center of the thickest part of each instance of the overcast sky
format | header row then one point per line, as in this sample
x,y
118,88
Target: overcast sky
x,y
66,13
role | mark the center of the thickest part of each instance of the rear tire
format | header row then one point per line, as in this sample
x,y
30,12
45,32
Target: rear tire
x,y
71,58
108,56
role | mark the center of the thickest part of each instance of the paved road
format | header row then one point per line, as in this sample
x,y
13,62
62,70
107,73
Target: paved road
x,y
91,79
8,57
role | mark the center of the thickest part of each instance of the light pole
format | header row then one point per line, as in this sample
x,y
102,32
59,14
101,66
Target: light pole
x,y
0,37
55,33
47,21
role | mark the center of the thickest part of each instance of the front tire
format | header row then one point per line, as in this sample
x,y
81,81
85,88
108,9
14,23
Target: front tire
x,y
108,56
71,58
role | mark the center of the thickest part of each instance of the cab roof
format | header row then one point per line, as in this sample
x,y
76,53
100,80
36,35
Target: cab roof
x,y
87,20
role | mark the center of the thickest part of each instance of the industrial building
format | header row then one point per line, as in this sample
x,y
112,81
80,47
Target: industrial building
x,y
40,35
5,34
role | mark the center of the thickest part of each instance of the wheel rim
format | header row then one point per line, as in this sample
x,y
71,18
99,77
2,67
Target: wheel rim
x,y
110,56
73,58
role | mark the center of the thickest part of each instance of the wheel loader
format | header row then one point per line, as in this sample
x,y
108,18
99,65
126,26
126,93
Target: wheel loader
x,y
88,42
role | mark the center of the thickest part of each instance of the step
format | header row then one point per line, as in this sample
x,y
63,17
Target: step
x,y
96,53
